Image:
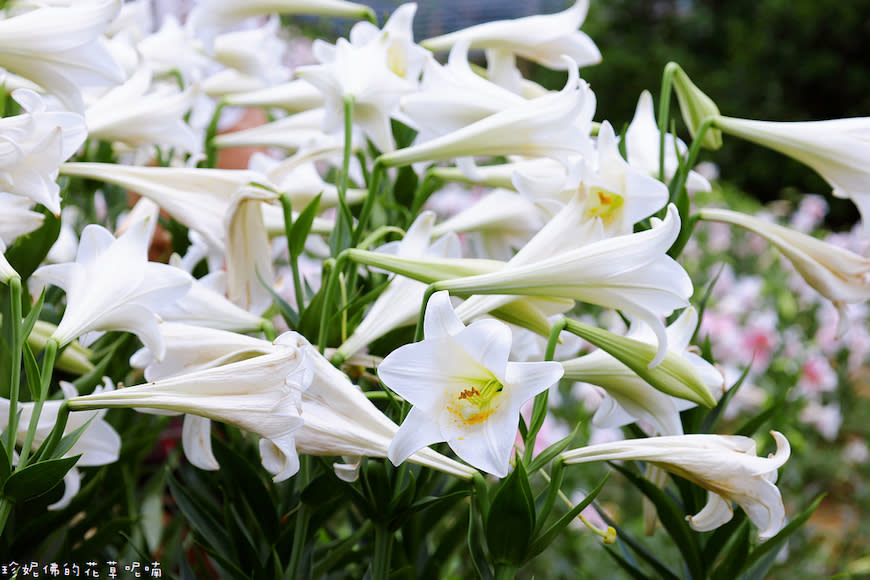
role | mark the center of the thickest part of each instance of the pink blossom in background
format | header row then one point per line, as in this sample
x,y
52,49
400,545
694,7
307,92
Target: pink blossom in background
x,y
810,213
817,376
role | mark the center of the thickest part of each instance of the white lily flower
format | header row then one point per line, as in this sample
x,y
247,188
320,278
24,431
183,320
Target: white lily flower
x,y
463,388
32,147
257,53
136,117
502,220
198,198
250,272
206,304
173,49
99,444
836,273
259,395
452,96
341,420
642,146
16,217
727,466
404,57
60,48
632,273
629,398
838,150
362,73
542,38
113,286
301,182
553,125
399,304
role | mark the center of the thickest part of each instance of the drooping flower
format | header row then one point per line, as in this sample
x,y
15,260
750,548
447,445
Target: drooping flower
x,y
258,394
836,273
727,466
60,48
838,150
32,147
113,286
541,38
463,388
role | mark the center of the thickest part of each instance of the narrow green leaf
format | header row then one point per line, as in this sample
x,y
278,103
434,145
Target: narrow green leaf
x,y
302,227
511,519
548,454
66,442
553,487
32,316
478,558
673,519
37,478
734,556
712,418
545,539
632,570
31,368
641,550
5,464
200,517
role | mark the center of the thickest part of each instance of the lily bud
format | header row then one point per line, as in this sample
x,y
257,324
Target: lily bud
x,y
695,106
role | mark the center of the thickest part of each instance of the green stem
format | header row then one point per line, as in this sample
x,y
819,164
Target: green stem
x,y
323,333
383,553
15,367
50,354
418,333
268,329
379,233
665,112
287,207
210,133
369,203
303,518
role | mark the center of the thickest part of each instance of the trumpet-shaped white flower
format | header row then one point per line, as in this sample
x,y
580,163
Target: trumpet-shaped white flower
x,y
542,38
259,395
134,116
292,133
60,48
361,73
452,96
257,53
32,147
99,443
113,286
836,273
632,273
727,466
206,304
199,198
341,420
838,150
630,398
463,388
554,125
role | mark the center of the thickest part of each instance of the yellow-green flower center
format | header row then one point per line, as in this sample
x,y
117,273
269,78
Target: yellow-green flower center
x,y
475,403
603,204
